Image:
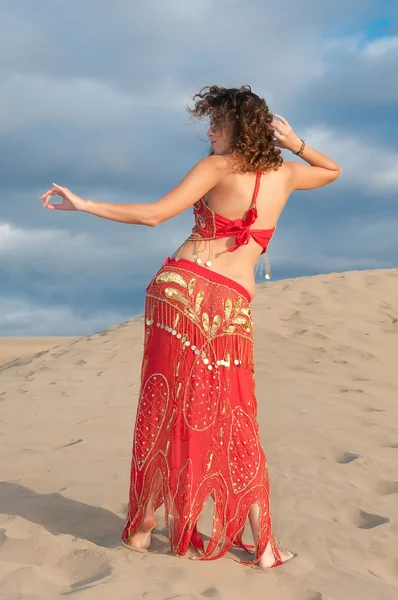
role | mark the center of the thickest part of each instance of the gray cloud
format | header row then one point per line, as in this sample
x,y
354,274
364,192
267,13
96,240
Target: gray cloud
x,y
93,97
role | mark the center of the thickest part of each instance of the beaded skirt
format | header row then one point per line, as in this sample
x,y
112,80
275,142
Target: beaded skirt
x,y
196,434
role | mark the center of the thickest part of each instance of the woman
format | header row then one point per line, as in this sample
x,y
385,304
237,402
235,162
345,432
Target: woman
x,y
196,433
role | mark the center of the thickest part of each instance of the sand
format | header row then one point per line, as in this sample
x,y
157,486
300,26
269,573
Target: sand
x,y
327,388
12,348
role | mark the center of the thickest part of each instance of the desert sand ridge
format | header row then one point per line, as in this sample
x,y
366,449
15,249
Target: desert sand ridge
x,y
327,390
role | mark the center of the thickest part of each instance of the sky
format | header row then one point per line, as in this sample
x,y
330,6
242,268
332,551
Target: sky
x,y
94,95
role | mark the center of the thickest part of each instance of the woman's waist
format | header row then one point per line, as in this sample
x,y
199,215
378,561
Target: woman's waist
x,y
214,257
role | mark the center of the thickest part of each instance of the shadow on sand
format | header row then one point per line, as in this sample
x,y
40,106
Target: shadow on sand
x,y
58,514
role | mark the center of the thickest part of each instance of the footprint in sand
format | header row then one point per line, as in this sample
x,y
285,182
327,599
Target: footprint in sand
x,y
84,567
365,563
211,592
74,570
324,451
384,488
344,457
386,444
368,409
339,512
369,520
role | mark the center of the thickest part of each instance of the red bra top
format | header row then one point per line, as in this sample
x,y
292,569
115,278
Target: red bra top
x,y
210,225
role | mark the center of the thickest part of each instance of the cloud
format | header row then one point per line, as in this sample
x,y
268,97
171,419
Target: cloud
x,y
353,243
93,97
81,259
372,169
19,317
77,101
385,47
357,93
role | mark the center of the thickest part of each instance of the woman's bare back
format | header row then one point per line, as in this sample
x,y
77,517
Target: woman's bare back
x,y
232,198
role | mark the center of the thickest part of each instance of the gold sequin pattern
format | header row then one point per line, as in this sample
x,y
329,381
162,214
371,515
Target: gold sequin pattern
x,y
198,301
191,286
170,276
228,308
176,295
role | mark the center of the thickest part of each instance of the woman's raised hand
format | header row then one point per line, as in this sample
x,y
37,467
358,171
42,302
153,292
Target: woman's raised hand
x,y
285,136
69,200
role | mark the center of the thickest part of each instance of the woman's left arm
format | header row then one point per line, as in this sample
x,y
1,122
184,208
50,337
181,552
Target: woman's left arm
x,y
200,179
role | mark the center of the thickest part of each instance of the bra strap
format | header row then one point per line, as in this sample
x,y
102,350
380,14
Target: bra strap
x,y
257,187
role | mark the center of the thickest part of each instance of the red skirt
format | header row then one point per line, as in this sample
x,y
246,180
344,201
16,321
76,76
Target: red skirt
x,y
196,434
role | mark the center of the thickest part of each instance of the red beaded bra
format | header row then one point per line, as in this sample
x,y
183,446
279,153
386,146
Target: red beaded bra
x,y
211,226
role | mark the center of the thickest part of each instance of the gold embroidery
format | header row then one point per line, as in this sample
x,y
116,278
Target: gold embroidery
x,y
168,276
238,305
242,321
209,461
216,324
201,395
192,314
205,321
229,329
243,450
170,423
201,221
215,485
154,398
198,301
176,295
182,501
143,367
228,309
191,286
176,320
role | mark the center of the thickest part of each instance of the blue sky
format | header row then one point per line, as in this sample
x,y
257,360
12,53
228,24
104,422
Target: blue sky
x,y
94,95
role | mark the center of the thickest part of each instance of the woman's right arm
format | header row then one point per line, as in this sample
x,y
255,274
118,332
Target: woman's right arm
x,y
320,170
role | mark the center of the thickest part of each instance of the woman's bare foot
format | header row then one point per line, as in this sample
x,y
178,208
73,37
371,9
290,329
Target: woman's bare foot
x,y
142,539
268,559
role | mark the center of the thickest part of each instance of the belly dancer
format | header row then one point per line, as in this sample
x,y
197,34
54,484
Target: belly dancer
x,y
196,433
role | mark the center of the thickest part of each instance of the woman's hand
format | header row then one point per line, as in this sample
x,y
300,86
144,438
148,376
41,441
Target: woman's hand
x,y
69,200
285,136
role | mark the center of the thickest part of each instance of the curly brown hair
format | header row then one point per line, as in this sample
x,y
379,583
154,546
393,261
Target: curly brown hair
x,y
247,119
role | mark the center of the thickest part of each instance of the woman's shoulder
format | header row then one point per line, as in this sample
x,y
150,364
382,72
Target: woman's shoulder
x,y
221,165
216,161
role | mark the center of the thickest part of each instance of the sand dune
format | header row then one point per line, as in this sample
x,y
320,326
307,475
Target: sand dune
x,y
327,388
12,348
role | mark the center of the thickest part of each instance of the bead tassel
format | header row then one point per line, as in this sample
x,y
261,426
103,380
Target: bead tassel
x,y
229,350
